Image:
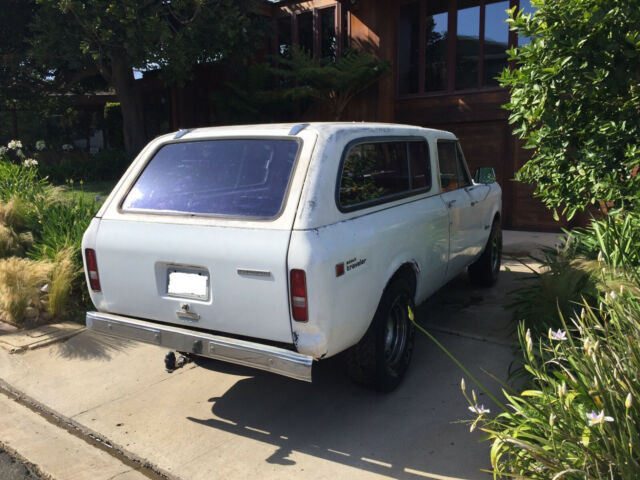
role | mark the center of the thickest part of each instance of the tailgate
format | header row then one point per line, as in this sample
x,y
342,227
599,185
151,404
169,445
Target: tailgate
x,y
160,271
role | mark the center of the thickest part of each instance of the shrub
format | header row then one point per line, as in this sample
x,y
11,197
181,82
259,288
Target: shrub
x,y
104,165
64,272
574,98
62,224
20,283
581,418
615,239
21,182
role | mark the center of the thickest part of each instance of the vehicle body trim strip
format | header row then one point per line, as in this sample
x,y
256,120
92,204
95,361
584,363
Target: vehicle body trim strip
x,y
256,355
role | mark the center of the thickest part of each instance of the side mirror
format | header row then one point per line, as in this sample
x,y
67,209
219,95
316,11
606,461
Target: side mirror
x,y
484,175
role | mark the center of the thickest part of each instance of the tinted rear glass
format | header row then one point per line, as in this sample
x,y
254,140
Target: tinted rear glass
x,y
240,177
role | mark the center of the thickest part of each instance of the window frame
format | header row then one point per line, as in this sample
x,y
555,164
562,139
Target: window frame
x,y
387,198
287,191
452,31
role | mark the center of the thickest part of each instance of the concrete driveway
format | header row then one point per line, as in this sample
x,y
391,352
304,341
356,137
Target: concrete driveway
x,y
214,420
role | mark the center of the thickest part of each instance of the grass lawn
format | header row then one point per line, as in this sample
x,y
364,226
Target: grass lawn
x,y
91,189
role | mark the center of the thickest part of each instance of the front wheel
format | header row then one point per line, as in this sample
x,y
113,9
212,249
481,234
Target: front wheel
x,y
485,270
381,358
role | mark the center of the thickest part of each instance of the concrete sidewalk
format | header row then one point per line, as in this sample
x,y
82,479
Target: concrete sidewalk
x,y
215,420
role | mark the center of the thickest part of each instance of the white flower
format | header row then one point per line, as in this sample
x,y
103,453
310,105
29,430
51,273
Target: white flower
x,y
560,335
66,147
529,341
600,256
613,295
3,150
40,145
30,162
480,410
14,144
598,418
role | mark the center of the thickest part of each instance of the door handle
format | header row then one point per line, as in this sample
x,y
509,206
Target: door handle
x,y
450,203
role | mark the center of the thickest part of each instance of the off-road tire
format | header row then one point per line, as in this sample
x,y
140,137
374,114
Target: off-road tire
x,y
378,361
484,271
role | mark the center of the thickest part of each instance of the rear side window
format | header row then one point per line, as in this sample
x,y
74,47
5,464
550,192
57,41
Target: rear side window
x,y
238,177
378,171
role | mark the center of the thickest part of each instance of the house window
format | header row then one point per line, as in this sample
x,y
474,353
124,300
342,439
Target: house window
x,y
408,39
496,41
284,36
305,31
525,6
467,44
436,37
328,39
450,46
321,32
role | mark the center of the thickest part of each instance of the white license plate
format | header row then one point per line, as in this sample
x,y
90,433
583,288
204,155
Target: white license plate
x,y
188,284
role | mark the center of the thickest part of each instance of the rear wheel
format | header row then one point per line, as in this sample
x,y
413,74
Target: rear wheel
x,y
382,356
485,270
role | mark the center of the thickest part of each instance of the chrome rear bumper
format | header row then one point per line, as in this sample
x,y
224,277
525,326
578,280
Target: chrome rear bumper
x,y
256,355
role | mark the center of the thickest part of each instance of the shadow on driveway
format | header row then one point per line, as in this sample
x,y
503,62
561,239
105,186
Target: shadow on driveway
x,y
91,345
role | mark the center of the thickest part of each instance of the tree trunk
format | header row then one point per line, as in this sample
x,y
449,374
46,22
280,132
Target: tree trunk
x,y
130,105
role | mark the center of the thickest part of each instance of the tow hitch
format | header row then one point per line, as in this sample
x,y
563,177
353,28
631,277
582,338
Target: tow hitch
x,y
172,363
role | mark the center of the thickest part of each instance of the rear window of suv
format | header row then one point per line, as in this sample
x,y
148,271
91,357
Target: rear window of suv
x,y
231,177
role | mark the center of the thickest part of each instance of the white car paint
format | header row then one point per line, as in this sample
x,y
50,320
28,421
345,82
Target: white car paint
x,y
435,237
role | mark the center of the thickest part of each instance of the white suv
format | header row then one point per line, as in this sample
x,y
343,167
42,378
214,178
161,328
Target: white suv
x,y
276,245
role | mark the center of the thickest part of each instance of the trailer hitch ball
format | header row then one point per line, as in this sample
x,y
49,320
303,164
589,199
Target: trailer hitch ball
x,y
170,362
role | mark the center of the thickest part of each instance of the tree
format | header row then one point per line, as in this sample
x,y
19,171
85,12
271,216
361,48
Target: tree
x,y
112,38
575,98
334,82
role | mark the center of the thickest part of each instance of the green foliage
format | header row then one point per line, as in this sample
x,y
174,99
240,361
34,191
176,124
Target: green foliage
x,y
575,98
36,219
251,96
62,224
104,165
615,239
334,83
591,262
581,418
21,182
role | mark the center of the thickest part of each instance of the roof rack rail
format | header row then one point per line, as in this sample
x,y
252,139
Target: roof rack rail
x,y
296,129
182,132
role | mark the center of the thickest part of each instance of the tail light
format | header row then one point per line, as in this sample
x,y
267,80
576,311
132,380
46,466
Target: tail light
x,y
92,269
299,305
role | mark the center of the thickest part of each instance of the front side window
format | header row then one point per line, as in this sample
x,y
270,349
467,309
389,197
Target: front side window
x,y
453,174
239,177
374,171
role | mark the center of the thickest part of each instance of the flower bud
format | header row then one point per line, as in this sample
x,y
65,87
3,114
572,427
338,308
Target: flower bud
x,y
462,385
627,402
552,419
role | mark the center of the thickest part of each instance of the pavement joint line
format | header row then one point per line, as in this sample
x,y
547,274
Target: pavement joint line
x,y
80,431
469,335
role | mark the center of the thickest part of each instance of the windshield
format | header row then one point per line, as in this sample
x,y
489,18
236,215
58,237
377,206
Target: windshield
x,y
237,177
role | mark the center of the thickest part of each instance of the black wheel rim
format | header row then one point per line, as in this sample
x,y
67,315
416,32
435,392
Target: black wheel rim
x,y
396,332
